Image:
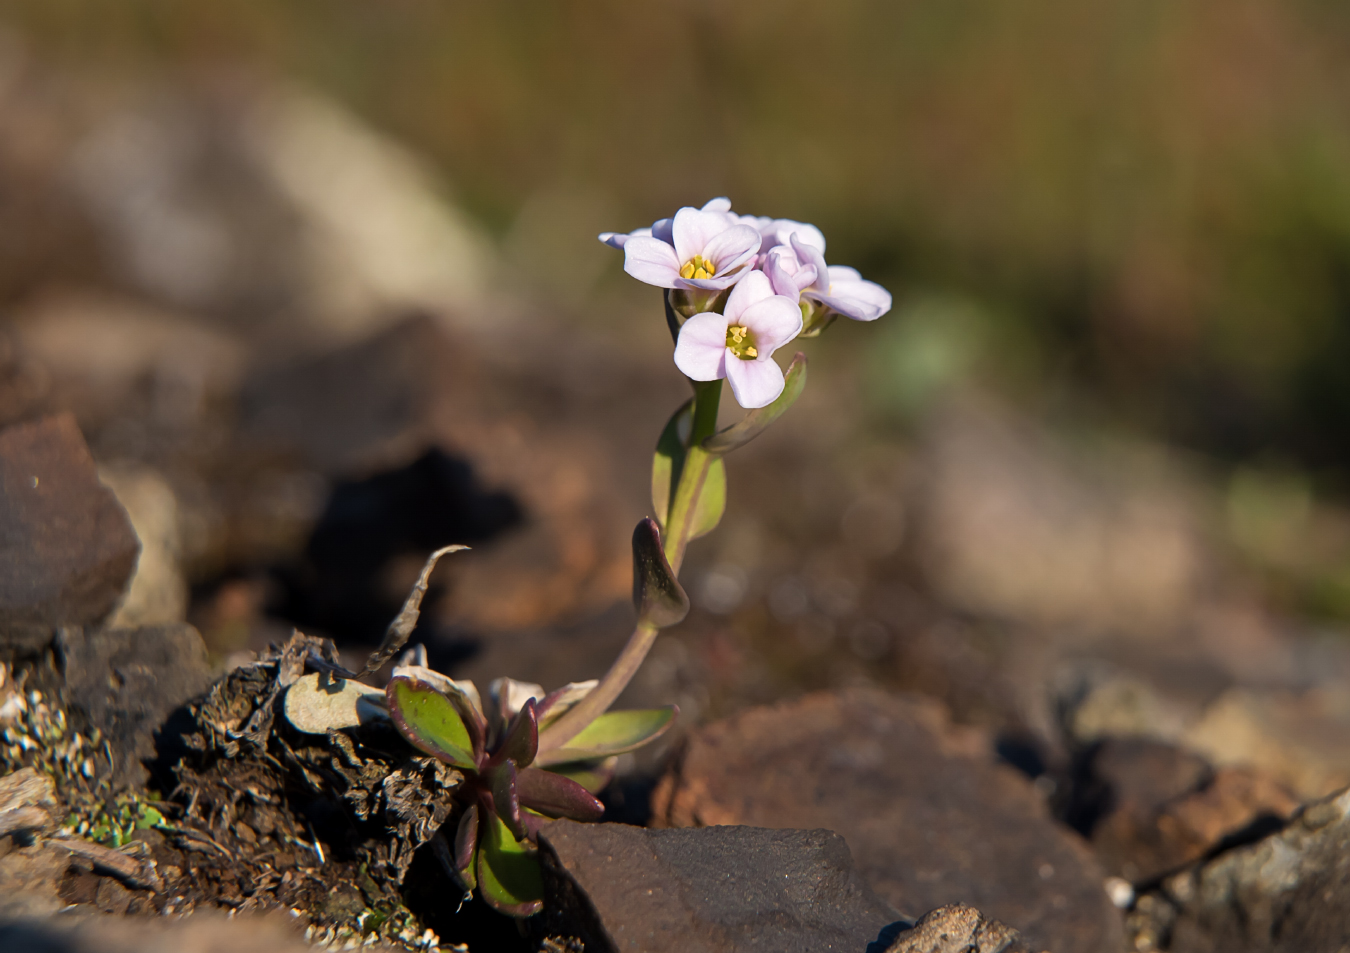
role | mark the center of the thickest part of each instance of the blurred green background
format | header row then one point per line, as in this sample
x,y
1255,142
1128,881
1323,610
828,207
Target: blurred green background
x,y
1132,211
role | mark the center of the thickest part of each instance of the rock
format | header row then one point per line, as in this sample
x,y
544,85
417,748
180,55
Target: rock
x,y
1150,807
1119,706
317,704
930,818
202,932
126,683
621,888
957,928
67,549
1287,892
357,408
158,593
30,881
1302,738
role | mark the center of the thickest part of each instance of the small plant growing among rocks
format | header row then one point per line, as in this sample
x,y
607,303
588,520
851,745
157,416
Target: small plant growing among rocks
x,y
736,289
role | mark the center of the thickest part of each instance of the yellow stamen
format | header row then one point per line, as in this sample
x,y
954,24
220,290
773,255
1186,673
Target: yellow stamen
x,y
698,267
738,342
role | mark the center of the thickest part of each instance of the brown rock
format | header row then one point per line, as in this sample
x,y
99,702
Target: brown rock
x,y
1162,807
715,890
957,928
67,549
930,819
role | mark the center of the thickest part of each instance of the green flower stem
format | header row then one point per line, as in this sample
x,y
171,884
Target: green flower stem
x,y
692,477
597,702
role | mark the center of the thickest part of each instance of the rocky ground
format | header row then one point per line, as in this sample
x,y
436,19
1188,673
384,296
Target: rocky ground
x,y
986,685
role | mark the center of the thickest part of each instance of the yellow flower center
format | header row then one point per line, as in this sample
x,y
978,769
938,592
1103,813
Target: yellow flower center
x,y
738,342
698,267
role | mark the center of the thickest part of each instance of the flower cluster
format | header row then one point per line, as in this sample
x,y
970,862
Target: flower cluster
x,y
744,286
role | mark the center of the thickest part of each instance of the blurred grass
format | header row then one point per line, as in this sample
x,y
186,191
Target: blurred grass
x,y
1152,196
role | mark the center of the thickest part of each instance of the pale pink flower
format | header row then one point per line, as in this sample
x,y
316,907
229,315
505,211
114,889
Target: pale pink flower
x,y
779,231
661,228
786,274
705,252
839,288
739,344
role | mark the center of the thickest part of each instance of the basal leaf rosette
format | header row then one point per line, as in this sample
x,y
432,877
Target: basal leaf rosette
x,y
509,788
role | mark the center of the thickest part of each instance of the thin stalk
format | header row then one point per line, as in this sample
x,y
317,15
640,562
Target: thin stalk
x,y
598,700
680,522
693,475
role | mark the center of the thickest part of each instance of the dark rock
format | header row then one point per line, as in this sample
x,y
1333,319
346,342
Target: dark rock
x,y
127,682
957,928
929,816
622,888
356,408
67,549
1287,892
1150,807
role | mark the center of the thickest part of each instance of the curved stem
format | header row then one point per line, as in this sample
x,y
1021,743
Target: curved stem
x,y
598,700
679,524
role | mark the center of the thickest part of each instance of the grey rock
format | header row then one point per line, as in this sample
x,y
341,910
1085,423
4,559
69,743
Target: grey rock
x,y
931,819
127,682
67,549
1287,892
957,928
712,890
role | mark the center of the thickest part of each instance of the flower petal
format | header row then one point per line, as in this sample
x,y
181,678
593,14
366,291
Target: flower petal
x,y
619,239
693,229
810,255
859,300
753,287
651,260
719,204
732,248
754,383
784,228
701,349
772,323
844,273
780,278
661,228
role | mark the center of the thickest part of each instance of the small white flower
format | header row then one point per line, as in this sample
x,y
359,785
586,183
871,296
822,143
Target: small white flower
x,y
739,344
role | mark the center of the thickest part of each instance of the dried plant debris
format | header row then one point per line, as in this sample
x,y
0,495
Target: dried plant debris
x,y
259,815
325,823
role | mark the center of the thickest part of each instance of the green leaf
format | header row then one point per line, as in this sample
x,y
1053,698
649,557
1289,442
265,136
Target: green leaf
x,y
659,599
712,502
612,733
757,421
150,817
430,721
669,460
594,776
509,878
